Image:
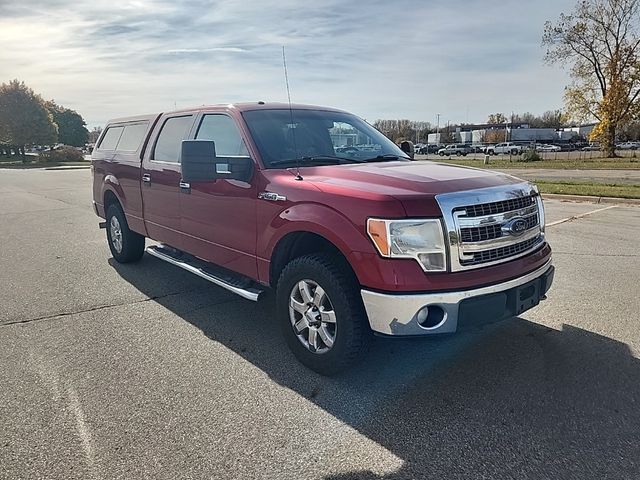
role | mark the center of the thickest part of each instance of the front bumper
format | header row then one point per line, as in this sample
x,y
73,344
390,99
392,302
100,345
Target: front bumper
x,y
448,312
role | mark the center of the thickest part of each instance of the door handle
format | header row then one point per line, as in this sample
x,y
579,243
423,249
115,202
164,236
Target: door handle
x,y
185,187
146,178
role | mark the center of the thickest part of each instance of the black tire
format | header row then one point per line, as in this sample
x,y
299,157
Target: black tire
x,y
441,154
514,152
352,331
132,247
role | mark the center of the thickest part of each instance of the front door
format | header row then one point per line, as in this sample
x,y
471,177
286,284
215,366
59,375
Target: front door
x,y
219,217
161,180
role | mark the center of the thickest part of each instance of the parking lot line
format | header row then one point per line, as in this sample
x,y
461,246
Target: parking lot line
x,y
575,217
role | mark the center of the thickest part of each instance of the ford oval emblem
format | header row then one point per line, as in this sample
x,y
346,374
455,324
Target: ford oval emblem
x,y
515,227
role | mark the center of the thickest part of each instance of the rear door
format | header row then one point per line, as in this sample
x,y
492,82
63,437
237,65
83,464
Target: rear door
x,y
161,179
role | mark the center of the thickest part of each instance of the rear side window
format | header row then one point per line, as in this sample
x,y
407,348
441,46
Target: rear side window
x,y
132,137
174,130
110,138
224,132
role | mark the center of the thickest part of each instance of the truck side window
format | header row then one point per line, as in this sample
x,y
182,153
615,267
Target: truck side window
x,y
169,143
224,132
110,138
132,137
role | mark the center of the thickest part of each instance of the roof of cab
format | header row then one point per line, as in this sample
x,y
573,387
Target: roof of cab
x,y
241,107
136,118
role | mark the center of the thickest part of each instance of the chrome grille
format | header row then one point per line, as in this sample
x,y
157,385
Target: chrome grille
x,y
492,225
494,208
503,252
478,234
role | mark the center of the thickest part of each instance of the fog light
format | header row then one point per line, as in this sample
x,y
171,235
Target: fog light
x,y
430,317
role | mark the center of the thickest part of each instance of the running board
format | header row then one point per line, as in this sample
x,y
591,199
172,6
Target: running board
x,y
226,279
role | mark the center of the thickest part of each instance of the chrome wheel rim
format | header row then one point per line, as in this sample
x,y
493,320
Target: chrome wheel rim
x,y
312,316
116,234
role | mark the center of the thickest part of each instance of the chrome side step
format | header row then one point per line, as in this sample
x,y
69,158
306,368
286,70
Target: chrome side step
x,y
249,290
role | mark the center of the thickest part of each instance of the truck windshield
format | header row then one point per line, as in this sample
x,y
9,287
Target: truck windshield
x,y
317,137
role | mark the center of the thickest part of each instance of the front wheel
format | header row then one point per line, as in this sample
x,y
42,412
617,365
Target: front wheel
x,y
321,313
125,244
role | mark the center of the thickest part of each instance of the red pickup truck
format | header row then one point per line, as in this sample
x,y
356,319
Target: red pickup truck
x,y
313,202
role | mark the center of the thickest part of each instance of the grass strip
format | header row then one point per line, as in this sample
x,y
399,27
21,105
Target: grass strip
x,y
591,189
573,164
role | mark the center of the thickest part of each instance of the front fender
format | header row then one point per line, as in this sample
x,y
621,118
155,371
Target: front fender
x,y
321,220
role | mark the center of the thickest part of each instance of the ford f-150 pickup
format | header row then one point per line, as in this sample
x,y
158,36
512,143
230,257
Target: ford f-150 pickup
x,y
259,196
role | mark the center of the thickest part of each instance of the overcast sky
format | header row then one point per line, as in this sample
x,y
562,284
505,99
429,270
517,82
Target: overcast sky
x,y
378,59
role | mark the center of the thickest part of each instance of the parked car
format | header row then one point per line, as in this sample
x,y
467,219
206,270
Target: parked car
x,y
592,147
545,147
628,146
254,196
459,149
478,148
507,147
430,148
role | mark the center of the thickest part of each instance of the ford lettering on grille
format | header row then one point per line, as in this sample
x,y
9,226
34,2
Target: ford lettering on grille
x,y
515,227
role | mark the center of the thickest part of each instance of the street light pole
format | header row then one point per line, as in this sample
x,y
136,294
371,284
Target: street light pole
x,y
437,128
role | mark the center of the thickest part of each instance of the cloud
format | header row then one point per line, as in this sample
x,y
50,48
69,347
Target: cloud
x,y
378,59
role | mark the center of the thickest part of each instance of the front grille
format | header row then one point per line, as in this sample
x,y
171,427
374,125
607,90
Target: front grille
x,y
478,234
501,253
495,208
475,219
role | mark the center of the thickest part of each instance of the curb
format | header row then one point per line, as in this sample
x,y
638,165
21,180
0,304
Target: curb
x,y
591,199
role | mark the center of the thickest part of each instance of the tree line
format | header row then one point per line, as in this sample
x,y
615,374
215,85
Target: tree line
x,y
27,119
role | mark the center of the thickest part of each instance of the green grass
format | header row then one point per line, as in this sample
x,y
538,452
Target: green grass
x,y
571,164
590,189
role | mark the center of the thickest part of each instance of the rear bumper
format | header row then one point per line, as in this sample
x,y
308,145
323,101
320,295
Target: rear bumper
x,y
447,312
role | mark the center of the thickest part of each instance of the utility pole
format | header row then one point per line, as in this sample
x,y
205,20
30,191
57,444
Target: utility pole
x,y
438,128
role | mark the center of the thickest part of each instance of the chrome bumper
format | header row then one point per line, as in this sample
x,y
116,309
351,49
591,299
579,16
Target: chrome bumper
x,y
397,314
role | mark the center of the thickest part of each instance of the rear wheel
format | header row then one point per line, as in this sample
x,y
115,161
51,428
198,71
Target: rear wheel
x,y
125,245
321,313
514,152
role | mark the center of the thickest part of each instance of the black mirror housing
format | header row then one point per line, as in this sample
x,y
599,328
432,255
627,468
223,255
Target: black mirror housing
x,y
200,163
198,160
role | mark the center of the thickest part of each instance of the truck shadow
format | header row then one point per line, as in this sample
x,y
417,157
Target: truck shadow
x,y
514,399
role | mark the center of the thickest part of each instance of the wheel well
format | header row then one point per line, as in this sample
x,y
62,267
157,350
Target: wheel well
x,y
109,198
297,244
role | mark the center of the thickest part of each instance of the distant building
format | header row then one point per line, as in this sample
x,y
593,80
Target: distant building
x,y
518,132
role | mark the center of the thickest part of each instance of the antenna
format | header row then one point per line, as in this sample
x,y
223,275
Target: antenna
x,y
293,127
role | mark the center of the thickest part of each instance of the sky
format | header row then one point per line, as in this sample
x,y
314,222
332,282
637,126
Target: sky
x,y
378,59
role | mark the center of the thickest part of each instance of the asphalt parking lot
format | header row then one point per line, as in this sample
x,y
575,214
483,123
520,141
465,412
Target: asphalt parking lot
x,y
145,371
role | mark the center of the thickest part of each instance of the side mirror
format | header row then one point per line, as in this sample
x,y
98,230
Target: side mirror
x,y
200,163
407,147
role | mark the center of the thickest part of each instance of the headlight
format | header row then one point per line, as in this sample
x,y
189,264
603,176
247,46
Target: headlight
x,y
421,240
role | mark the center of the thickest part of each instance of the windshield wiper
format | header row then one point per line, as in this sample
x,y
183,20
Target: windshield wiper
x,y
381,158
311,159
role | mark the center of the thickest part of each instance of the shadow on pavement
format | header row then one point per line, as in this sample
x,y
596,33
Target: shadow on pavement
x,y
513,399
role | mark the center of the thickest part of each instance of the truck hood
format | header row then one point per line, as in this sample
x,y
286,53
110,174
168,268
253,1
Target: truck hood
x,y
414,184
404,179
